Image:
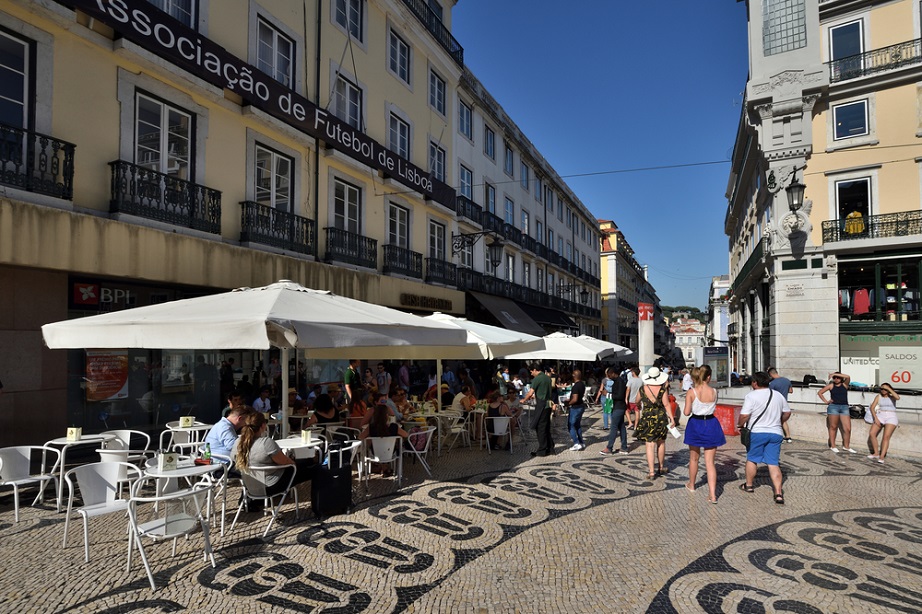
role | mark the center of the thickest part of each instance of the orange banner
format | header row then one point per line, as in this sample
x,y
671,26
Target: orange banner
x,y
106,375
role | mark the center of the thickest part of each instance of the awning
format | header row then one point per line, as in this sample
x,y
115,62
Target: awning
x,y
508,314
548,317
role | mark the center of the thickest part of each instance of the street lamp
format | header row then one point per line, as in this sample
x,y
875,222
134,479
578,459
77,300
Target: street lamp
x,y
459,242
583,292
795,195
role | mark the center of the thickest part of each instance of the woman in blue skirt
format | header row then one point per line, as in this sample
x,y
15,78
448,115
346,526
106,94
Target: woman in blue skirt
x,y
703,429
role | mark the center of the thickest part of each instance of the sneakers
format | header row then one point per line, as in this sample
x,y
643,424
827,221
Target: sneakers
x,y
577,447
622,452
834,450
786,440
850,450
873,457
606,452
881,461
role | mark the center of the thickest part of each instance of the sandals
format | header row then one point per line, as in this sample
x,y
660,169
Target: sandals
x,y
651,476
779,498
747,488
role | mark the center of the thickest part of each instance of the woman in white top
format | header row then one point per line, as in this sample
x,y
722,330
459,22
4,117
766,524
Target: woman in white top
x,y
703,429
883,408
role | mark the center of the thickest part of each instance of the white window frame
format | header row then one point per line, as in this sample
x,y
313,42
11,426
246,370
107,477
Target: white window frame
x,y
549,198
397,142
862,140
437,245
400,67
438,90
162,163
524,175
550,238
344,106
510,267
560,207
466,120
349,16
177,12
869,178
466,256
508,159
25,102
346,212
835,110
539,277
489,142
276,51
526,274
276,179
539,232
509,211
258,15
466,181
539,188
525,220
398,217
255,139
489,198
437,161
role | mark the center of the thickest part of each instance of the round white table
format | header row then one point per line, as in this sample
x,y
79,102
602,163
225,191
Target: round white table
x,y
66,444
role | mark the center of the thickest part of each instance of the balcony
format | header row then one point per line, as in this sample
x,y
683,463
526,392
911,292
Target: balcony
x,y
467,208
469,280
754,258
888,225
401,261
528,243
876,61
511,233
492,222
351,248
437,29
36,162
441,272
157,196
541,251
270,226
731,329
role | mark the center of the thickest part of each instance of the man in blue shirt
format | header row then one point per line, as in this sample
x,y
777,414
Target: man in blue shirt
x,y
222,435
783,386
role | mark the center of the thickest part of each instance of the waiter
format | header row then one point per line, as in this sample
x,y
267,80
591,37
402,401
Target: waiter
x,y
541,422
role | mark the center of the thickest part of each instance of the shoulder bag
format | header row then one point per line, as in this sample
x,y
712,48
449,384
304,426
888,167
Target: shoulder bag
x,y
746,431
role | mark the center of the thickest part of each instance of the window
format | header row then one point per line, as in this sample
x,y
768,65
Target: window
x,y
398,226
399,57
489,198
550,238
347,211
489,142
399,136
437,161
583,265
510,267
436,9
850,119
467,256
465,125
273,178
560,246
274,53
784,26
182,10
508,160
569,217
163,138
550,283
436,92
853,196
560,207
846,43
525,222
347,102
467,182
348,14
436,240
15,75
569,255
539,190
575,256
525,178
549,198
539,276
526,274
539,231
509,212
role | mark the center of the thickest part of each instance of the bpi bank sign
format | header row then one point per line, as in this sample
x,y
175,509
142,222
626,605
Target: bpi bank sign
x,y
146,25
88,295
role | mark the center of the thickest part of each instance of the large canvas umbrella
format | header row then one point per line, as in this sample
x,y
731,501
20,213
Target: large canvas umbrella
x,y
560,346
285,315
485,341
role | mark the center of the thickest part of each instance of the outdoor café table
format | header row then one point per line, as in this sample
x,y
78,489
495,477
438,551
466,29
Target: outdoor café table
x,y
65,445
289,444
186,469
196,432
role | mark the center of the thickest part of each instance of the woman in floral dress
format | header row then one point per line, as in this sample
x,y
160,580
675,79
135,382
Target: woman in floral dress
x,y
654,420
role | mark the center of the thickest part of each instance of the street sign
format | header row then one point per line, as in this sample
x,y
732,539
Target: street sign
x,y
901,367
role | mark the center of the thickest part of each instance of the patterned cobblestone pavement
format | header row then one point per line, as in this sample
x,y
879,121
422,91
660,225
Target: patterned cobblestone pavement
x,y
574,532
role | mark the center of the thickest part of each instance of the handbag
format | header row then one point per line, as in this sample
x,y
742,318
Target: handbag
x,y
746,431
608,404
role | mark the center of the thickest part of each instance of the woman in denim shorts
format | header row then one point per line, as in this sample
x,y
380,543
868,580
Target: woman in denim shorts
x,y
837,410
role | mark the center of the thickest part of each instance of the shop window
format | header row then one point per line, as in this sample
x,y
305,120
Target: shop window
x,y
887,290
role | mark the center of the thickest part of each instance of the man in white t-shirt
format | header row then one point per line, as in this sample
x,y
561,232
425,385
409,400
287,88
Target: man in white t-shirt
x,y
687,383
764,411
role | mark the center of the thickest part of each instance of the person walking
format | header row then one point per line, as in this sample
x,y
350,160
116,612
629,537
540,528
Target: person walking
x,y
783,386
703,429
634,384
383,380
577,405
837,411
618,396
654,418
883,409
764,411
541,421
604,394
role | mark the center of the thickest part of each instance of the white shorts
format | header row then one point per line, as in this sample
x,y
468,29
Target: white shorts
x,y
887,417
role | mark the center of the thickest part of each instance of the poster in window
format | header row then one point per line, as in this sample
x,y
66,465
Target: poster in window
x,y
106,375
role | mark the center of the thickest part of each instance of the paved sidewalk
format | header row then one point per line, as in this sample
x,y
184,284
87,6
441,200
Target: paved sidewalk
x,y
575,532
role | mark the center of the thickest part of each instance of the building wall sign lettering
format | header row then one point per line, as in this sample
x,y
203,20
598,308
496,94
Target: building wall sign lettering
x,y
875,359
644,311
792,290
425,302
901,367
142,23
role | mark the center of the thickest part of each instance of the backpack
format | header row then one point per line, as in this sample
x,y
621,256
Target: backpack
x,y
417,438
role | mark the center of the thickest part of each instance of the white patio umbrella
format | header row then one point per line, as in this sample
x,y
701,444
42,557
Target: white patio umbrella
x,y
560,346
485,341
285,315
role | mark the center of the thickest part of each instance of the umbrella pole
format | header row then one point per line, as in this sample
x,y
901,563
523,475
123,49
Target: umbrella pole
x,y
285,408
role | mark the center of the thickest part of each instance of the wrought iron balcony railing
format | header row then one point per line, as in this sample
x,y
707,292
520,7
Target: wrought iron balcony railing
x,y
876,60
512,233
402,261
36,162
270,226
467,208
438,30
754,258
441,272
731,329
541,251
492,222
352,248
157,196
901,224
528,243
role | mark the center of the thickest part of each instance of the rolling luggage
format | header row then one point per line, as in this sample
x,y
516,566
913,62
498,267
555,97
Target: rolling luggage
x,y
331,486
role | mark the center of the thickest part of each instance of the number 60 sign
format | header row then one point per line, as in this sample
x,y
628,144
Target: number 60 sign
x,y
901,367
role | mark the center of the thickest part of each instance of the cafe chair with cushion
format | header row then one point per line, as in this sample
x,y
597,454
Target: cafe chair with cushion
x,y
383,451
16,470
254,487
100,487
418,445
497,426
168,516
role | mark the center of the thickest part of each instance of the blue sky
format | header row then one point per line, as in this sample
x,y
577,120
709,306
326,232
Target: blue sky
x,y
610,85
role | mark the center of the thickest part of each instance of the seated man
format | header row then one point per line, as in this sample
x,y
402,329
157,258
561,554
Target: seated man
x,y
234,399
223,435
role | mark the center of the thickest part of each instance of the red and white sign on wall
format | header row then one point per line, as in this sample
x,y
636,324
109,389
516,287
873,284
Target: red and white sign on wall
x,y
901,367
644,311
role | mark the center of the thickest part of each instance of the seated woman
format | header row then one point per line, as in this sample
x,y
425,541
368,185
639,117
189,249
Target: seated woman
x,y
324,412
381,425
498,408
254,448
357,411
403,405
462,401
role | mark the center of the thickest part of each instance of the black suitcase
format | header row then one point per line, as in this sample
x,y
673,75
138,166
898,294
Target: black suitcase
x,y
331,486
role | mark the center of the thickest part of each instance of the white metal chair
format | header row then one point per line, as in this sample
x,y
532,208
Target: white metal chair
x,y
342,433
181,442
418,445
254,487
497,426
457,428
16,470
121,456
383,451
100,489
123,440
168,516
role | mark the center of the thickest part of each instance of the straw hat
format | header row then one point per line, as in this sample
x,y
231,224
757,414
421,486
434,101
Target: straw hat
x,y
655,377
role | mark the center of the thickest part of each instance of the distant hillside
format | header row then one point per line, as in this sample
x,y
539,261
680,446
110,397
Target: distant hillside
x,y
693,312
